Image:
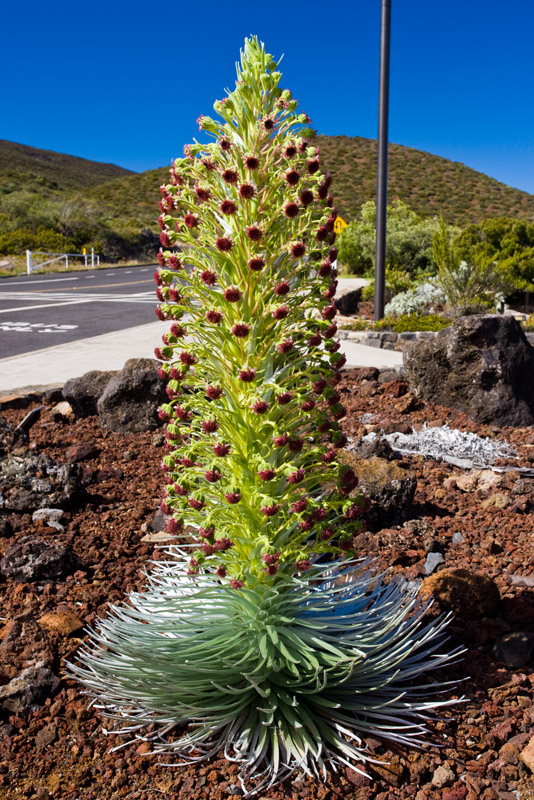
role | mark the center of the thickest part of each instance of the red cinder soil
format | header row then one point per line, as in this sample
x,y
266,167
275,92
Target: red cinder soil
x,y
60,750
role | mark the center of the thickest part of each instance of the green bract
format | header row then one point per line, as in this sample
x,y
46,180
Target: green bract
x,y
274,656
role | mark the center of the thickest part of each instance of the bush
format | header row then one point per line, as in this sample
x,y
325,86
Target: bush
x,y
408,323
414,300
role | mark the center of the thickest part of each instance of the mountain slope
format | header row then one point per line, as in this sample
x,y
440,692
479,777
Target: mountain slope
x,y
31,169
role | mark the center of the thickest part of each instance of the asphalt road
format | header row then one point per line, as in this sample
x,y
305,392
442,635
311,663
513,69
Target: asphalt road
x,y
38,311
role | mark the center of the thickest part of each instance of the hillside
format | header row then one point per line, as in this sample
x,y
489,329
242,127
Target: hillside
x,y
31,169
429,184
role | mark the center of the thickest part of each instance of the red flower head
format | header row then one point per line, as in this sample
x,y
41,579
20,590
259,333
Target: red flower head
x,y
303,565
247,375
314,340
233,294
221,571
329,312
319,386
291,209
174,262
202,193
208,277
313,166
191,220
256,264
339,439
299,506
229,176
160,295
305,524
325,268
180,490
163,375
236,584
281,441
338,411
206,533
178,330
163,190
241,330
159,312
223,544
284,398
266,474
225,145
164,508
214,317
162,261
198,505
186,462
228,207
232,497
306,197
321,233
187,358
161,221
281,288
221,449
163,415
297,249
169,202
270,558
209,425
329,456
295,444
348,480
247,191
308,405
260,407
164,239
292,177
270,511
159,354
175,296
296,477
251,162
322,191
208,164
207,549
280,313
290,150
285,346
212,475
332,255
174,526
214,392
254,233
268,123
181,413
176,374
330,331
223,244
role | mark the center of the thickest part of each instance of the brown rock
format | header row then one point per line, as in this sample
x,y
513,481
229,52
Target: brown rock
x,y
65,622
46,736
24,643
468,594
81,452
527,755
391,771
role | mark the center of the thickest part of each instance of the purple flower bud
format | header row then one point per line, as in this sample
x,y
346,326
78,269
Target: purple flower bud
x,y
233,294
291,209
236,584
206,533
212,475
267,474
208,277
178,330
296,477
314,340
247,191
290,150
295,444
313,166
254,233
207,549
321,233
251,162
228,207
306,197
186,462
241,330
221,545
214,392
281,441
221,449
292,177
281,288
303,565
191,220
299,506
198,505
174,526
284,398
221,571
225,144
223,244
280,312
256,264
305,524
159,312
329,456
247,375
214,316
319,386
285,346
209,425
329,312
260,407
187,358
229,176
271,510
232,497
330,331
164,508
159,294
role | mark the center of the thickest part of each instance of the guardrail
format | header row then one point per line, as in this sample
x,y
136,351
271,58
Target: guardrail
x,y
30,265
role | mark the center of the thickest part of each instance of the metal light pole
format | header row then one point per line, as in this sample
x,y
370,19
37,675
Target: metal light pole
x,y
382,166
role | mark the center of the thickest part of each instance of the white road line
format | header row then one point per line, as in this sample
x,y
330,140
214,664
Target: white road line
x,y
48,305
143,270
30,281
110,273
88,277
128,272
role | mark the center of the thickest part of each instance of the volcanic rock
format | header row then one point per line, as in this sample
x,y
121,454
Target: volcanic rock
x,y
515,649
33,481
83,393
390,489
30,559
481,365
24,643
29,689
468,594
130,401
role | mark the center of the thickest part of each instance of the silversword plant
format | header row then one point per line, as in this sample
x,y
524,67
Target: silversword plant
x,y
274,653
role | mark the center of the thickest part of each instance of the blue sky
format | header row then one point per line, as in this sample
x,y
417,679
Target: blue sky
x,y
124,82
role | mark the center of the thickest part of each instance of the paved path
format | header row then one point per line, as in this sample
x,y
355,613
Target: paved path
x,y
55,365
39,311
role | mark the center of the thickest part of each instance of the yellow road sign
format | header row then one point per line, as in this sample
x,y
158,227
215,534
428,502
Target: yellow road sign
x,y
339,224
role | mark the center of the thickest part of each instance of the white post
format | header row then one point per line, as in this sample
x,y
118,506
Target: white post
x,y
66,261
29,261
85,259
98,263
92,257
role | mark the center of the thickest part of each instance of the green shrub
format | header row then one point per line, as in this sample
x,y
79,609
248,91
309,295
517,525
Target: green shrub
x,y
412,322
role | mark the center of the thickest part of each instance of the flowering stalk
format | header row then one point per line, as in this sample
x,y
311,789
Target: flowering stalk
x,y
252,461
295,661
